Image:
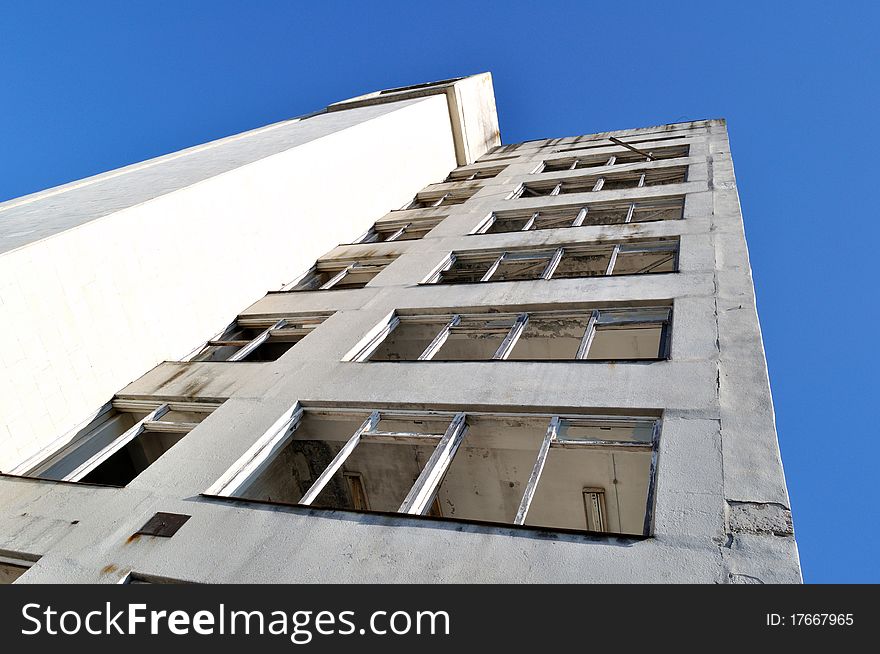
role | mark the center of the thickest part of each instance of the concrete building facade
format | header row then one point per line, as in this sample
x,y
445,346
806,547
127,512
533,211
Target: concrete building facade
x,y
537,362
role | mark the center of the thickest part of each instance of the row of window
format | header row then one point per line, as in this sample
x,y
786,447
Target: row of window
x,y
626,157
580,215
612,334
580,472
520,220
523,264
470,173
593,473
568,261
604,182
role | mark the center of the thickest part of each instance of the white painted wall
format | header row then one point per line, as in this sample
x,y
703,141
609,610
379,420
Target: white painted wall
x,y
90,308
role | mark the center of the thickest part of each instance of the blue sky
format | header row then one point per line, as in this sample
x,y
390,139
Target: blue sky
x,y
90,86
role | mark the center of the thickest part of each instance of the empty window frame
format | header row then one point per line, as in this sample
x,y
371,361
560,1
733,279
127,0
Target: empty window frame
x,y
588,473
337,275
610,182
615,159
258,339
399,230
611,213
469,174
629,258
122,440
612,334
446,198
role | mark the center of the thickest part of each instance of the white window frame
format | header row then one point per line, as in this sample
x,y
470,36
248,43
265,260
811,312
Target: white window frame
x,y
423,491
554,257
53,454
293,324
596,182
580,212
418,499
397,229
339,272
596,319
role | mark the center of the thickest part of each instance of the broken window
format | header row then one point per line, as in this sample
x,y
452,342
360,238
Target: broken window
x,y
630,258
620,454
610,213
584,263
345,460
472,338
119,443
258,339
612,334
398,230
588,473
442,198
608,182
617,158
334,274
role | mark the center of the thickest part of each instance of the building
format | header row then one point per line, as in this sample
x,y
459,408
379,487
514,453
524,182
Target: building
x,y
537,362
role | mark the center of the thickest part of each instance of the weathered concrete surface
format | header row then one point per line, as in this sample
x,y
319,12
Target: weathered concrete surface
x,y
759,518
721,510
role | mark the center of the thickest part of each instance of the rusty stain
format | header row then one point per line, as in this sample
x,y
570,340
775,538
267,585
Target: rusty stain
x,y
132,538
107,569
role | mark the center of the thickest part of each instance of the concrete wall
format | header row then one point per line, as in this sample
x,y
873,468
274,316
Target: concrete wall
x,y
102,279
721,512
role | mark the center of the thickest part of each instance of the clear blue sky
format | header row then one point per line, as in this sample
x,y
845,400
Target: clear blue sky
x,y
90,86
